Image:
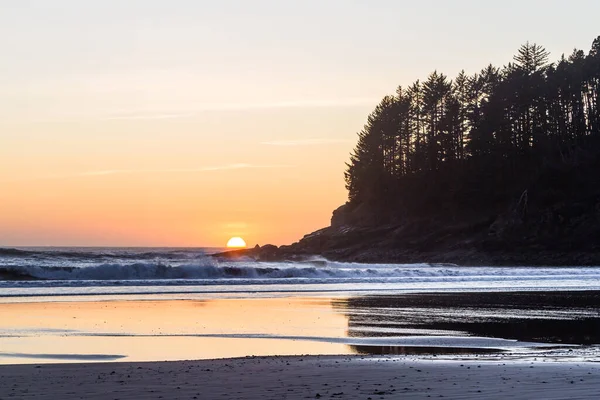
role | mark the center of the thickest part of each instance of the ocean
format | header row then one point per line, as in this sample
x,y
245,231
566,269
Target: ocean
x,y
180,272
156,304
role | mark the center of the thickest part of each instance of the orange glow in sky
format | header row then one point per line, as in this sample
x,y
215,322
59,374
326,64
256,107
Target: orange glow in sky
x,y
153,123
193,181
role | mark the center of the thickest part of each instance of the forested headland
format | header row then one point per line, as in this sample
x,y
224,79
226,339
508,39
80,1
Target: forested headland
x,y
444,147
497,167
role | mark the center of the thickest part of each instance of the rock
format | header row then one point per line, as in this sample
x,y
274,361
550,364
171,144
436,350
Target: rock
x,y
339,217
268,252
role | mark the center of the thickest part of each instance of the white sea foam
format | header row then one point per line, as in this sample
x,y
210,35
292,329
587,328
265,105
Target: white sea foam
x,y
210,269
35,271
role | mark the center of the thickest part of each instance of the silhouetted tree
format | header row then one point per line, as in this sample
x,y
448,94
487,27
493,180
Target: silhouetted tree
x,y
478,131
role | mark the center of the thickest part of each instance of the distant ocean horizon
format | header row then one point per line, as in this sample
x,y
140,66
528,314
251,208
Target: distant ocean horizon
x,y
183,271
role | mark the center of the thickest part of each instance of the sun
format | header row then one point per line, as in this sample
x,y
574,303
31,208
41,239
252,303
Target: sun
x,y
236,243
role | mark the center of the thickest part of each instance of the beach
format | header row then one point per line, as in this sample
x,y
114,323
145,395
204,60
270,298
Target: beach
x,y
263,200
331,377
520,325
457,345
172,323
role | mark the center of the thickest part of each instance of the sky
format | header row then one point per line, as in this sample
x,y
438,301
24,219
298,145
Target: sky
x,y
186,122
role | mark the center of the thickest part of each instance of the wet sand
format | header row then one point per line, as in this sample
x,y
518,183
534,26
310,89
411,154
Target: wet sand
x,y
331,377
85,332
424,324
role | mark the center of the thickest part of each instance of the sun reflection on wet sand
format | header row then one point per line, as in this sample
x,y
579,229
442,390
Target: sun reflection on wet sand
x,y
164,330
425,324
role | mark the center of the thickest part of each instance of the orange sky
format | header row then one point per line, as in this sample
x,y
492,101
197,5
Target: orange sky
x,y
183,122
185,181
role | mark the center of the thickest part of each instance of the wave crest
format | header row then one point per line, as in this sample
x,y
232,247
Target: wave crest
x,y
207,268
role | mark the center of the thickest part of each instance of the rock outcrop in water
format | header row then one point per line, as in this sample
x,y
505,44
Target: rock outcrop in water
x,y
546,224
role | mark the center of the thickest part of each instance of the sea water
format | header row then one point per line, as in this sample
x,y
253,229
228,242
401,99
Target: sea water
x,y
140,304
185,271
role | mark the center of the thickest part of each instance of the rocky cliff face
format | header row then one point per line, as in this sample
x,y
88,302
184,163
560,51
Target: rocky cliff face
x,y
555,221
562,234
549,237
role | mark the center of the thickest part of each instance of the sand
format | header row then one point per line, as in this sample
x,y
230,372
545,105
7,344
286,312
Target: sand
x,y
331,377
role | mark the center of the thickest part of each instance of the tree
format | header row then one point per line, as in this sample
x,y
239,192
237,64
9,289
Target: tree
x,y
478,132
531,58
436,90
371,164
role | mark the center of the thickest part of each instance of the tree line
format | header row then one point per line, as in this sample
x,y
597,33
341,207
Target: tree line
x,y
451,143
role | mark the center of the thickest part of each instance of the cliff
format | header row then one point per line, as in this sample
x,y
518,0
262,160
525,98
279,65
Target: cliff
x,y
555,220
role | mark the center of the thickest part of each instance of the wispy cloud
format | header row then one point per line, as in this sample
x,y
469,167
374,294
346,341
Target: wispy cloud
x,y
304,142
190,111
147,116
180,170
106,172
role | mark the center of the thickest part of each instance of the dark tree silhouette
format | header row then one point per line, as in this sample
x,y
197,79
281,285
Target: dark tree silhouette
x,y
445,146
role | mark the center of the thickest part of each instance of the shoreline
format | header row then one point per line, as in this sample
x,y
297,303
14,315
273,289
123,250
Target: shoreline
x,y
464,258
552,325
301,377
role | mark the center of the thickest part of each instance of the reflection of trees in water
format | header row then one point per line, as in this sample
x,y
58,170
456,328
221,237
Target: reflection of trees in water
x,y
407,351
546,317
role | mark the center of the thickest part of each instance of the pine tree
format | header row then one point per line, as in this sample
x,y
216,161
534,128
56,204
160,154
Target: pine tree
x,y
479,132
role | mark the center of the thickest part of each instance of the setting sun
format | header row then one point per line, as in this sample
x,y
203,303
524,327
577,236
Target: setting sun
x,y
236,242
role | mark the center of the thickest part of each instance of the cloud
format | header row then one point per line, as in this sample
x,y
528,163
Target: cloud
x,y
146,116
247,106
191,111
98,173
304,142
228,167
106,172
180,170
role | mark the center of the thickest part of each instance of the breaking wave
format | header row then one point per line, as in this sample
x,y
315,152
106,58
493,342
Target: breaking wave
x,y
94,271
208,269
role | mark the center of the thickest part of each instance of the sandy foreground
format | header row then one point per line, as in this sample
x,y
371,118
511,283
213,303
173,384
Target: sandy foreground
x,y
331,377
